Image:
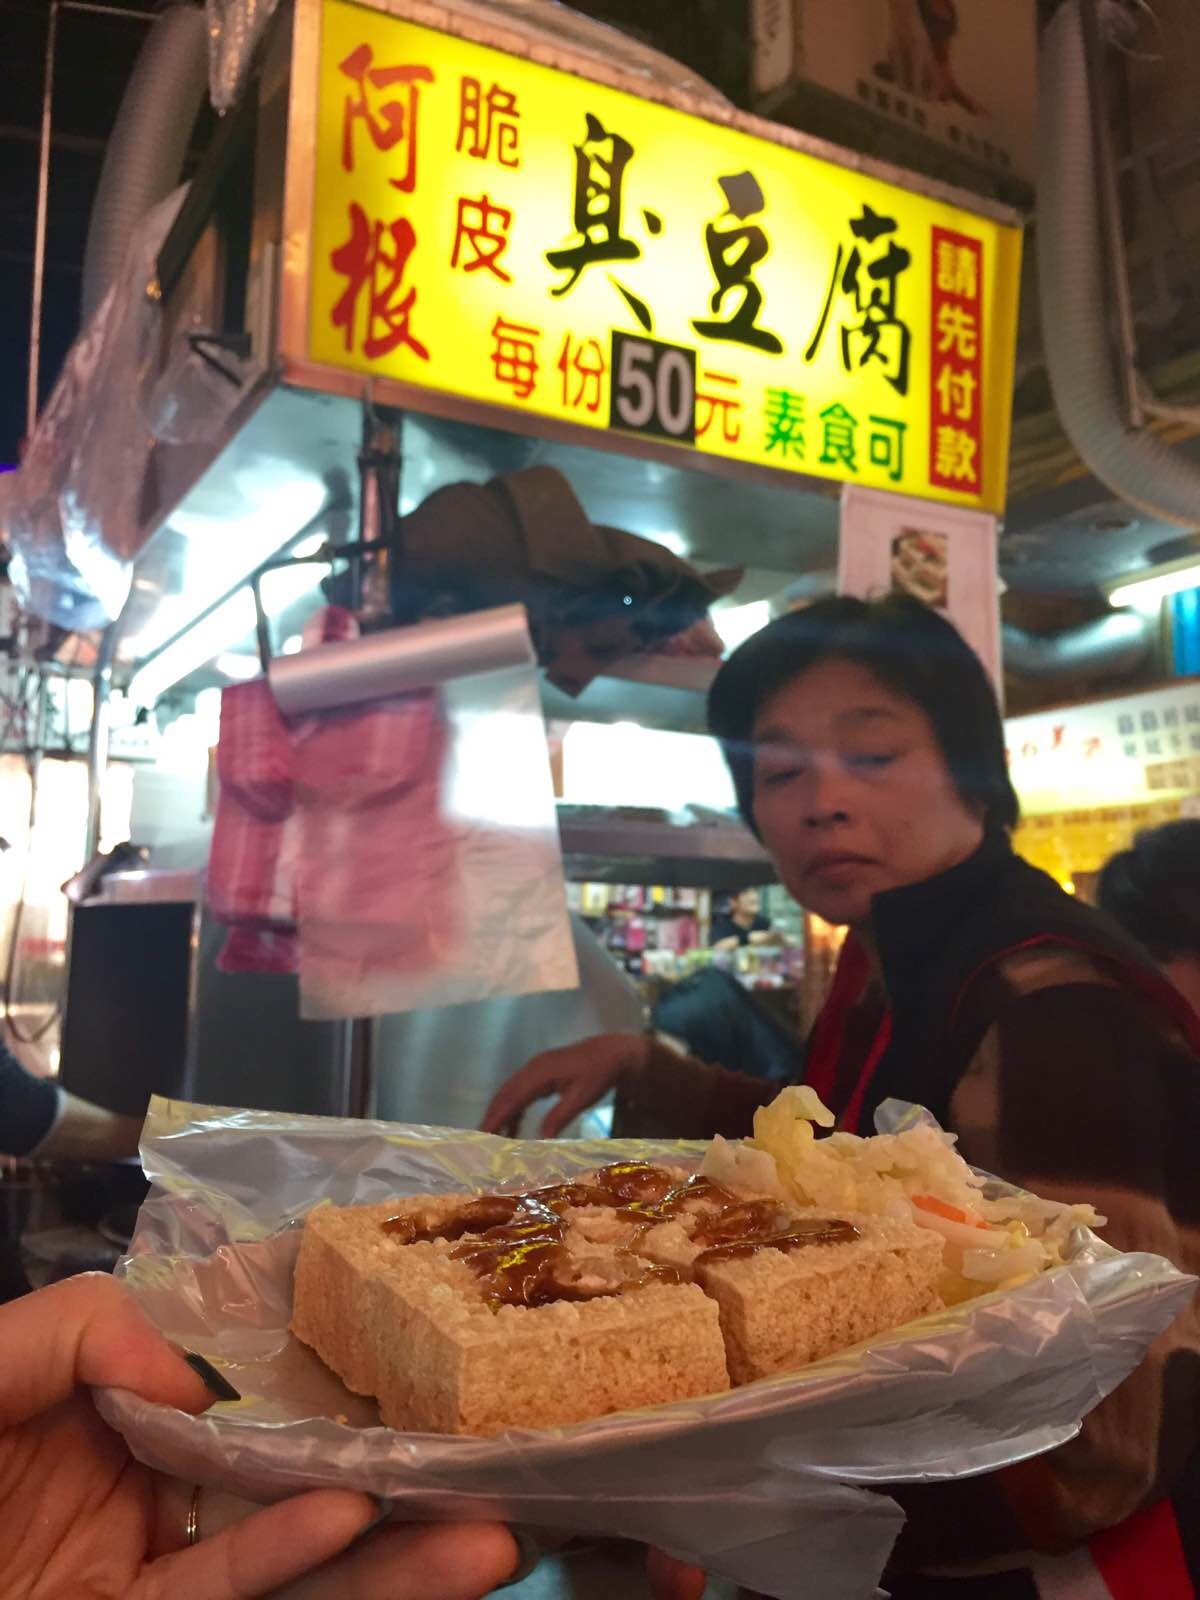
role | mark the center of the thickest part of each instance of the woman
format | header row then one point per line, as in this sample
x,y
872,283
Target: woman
x,y
80,1518
867,753
1153,891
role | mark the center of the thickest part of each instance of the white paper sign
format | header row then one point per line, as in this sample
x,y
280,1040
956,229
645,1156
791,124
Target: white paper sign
x,y
945,556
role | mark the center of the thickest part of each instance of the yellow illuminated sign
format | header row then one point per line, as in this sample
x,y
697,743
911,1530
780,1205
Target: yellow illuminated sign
x,y
498,230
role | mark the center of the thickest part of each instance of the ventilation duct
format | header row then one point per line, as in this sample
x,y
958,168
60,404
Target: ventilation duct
x,y
1108,647
149,141
1073,287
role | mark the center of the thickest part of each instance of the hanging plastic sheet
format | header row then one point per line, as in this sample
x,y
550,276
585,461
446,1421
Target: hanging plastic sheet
x,y
765,1485
410,833
72,513
73,505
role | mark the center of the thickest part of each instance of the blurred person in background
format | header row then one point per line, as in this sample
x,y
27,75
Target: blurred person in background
x,y
867,753
38,1118
1153,891
41,1120
741,923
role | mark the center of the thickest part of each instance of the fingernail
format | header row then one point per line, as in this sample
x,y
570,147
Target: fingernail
x,y
529,1553
211,1378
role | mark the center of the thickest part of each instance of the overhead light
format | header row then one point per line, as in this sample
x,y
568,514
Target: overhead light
x,y
735,624
220,630
219,551
1149,591
226,625
310,546
240,668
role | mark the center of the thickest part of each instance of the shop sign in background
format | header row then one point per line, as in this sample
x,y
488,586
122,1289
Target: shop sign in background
x,y
1132,749
494,229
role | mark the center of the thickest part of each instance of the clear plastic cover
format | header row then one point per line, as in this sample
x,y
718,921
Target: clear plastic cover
x,y
73,511
760,1485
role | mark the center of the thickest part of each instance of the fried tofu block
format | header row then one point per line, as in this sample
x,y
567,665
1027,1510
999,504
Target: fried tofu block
x,y
410,1324
781,1310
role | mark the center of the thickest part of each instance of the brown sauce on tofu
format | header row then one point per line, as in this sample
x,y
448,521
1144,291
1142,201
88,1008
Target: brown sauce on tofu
x,y
517,1245
787,1234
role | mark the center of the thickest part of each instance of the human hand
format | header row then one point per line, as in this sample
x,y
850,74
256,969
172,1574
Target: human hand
x,y
80,1519
579,1073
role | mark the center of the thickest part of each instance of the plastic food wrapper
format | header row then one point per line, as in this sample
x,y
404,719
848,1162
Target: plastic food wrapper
x,y
766,1485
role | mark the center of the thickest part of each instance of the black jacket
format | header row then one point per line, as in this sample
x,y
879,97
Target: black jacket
x,y
28,1107
939,943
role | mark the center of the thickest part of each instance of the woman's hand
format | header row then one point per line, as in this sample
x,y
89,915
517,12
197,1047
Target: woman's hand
x,y
579,1073
80,1519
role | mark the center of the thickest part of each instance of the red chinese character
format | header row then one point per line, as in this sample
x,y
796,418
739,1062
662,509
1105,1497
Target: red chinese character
x,y
1091,747
514,357
374,258
1060,733
484,227
711,401
392,123
484,117
585,359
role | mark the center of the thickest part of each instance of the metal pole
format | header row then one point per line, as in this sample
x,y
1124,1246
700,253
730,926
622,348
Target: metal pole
x,y
1109,196
362,1088
39,242
43,192
106,11
98,739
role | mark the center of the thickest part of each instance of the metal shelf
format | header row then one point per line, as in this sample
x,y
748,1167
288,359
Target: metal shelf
x,y
612,849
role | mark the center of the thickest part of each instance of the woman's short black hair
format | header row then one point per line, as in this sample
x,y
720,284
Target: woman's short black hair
x,y
908,647
1153,889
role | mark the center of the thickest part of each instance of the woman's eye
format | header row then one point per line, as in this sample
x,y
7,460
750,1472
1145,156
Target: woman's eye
x,y
870,762
771,777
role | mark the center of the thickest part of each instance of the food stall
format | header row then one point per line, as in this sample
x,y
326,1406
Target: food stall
x,y
1091,776
473,229
475,241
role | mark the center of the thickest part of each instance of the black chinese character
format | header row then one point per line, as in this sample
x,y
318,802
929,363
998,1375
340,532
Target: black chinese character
x,y
600,162
735,248
870,286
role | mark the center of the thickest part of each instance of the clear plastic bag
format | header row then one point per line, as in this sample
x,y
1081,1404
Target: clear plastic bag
x,y
765,1485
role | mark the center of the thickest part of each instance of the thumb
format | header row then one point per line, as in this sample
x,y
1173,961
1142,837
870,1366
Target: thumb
x,y
87,1331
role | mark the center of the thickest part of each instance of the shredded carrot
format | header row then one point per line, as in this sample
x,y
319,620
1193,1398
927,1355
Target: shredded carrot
x,y
940,1208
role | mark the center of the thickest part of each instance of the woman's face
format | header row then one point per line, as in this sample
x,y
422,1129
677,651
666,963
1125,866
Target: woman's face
x,y
852,795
